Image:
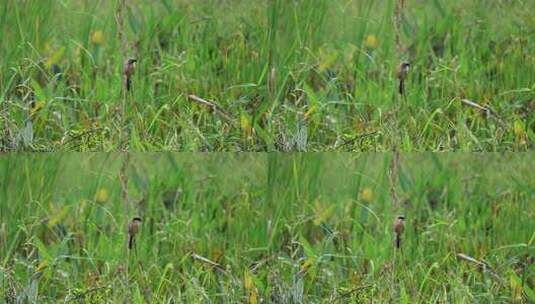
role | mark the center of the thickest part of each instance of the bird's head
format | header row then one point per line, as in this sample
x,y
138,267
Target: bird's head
x,y
405,66
136,219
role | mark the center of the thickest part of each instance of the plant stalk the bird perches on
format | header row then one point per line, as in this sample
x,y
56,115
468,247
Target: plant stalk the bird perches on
x,y
399,226
128,71
133,229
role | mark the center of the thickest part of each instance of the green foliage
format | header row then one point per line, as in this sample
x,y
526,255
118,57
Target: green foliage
x,y
280,228
324,68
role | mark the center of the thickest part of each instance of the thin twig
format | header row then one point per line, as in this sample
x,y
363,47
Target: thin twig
x,y
6,138
475,105
209,262
121,8
121,32
214,106
123,178
119,18
481,108
397,25
481,265
392,179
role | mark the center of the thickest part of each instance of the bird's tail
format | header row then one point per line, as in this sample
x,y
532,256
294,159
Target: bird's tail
x,y
398,241
401,87
128,83
130,241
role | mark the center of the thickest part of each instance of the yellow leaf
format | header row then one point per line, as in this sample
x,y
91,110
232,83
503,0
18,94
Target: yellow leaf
x,y
101,196
245,123
516,287
253,298
366,195
86,122
355,278
38,105
358,125
42,266
248,283
97,38
518,129
371,42
313,109
307,264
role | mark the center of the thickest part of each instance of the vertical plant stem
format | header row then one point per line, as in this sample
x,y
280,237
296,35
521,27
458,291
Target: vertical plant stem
x,y
6,136
398,10
393,173
397,27
272,45
392,179
119,16
123,179
395,156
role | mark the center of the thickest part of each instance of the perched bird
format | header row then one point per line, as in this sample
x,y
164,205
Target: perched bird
x,y
133,229
128,71
399,226
402,74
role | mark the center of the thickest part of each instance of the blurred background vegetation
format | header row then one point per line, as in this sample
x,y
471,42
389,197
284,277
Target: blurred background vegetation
x,y
281,228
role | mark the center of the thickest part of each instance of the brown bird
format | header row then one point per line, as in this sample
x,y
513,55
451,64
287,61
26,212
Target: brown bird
x,y
133,229
128,71
399,226
402,74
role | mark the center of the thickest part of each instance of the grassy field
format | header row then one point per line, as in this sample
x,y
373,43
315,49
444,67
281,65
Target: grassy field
x,y
299,75
267,228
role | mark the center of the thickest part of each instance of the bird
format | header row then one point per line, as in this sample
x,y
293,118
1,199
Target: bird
x,y
128,71
133,229
399,226
402,74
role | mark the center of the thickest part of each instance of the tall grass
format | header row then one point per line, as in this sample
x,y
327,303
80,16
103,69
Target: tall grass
x,y
295,75
281,228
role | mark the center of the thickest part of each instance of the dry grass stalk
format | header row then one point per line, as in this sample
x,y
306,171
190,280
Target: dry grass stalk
x,y
397,25
488,111
481,265
6,136
213,106
123,178
121,32
207,261
119,18
393,173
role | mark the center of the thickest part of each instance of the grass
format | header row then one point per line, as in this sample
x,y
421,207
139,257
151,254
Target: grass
x,y
280,228
299,75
